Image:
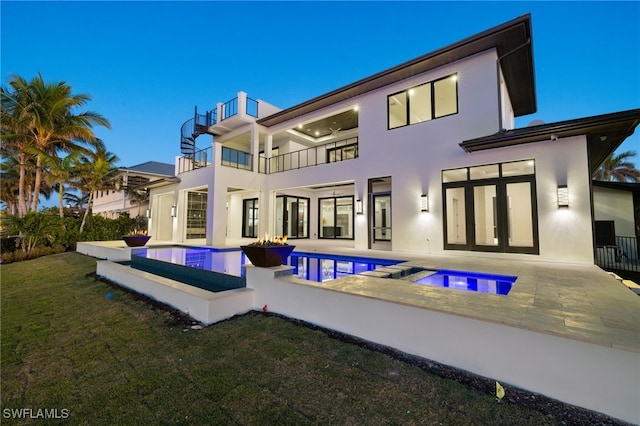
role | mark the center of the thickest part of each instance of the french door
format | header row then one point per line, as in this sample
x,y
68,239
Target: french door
x,y
492,215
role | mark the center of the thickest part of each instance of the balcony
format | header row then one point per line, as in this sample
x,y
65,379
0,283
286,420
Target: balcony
x,y
224,118
236,159
197,160
345,149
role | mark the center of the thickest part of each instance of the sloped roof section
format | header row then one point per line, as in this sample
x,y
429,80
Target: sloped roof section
x,y
512,41
604,134
152,167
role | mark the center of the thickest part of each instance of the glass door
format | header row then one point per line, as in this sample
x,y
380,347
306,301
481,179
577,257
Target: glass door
x,y
381,217
485,216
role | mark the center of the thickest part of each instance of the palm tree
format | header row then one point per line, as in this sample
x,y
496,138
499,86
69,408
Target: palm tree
x,y
38,118
97,173
61,172
618,168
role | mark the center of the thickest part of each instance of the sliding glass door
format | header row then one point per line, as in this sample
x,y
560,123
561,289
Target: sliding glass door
x,y
336,217
292,216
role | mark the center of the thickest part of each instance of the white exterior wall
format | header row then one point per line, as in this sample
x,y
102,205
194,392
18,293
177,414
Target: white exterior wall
x,y
616,205
414,157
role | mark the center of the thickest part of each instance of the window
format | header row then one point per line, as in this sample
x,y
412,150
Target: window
x,y
423,103
250,213
491,208
336,217
346,152
196,215
292,216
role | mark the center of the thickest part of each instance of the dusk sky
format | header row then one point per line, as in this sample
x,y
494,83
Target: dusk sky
x,y
148,64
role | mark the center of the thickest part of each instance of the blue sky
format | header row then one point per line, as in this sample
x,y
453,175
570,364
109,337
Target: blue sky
x,y
147,64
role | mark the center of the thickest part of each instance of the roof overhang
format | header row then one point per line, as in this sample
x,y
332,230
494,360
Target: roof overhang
x,y
632,187
604,134
512,41
158,183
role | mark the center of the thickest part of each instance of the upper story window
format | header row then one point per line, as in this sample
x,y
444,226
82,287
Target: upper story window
x,y
425,102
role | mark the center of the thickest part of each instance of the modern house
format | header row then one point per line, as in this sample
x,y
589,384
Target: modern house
x,y
131,197
423,157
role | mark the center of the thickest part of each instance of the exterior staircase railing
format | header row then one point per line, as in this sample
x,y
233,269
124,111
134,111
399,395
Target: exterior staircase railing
x,y
193,128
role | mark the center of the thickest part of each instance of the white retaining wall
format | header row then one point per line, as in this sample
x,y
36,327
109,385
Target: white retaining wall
x,y
202,305
599,378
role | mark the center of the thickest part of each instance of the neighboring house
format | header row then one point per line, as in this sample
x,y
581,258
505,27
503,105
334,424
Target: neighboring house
x,y
131,196
616,211
421,158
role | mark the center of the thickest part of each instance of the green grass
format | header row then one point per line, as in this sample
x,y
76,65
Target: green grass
x,y
119,360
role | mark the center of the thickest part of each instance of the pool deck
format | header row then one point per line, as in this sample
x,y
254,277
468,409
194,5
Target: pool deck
x,y
576,301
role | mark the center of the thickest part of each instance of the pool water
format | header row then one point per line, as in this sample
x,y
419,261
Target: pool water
x,y
324,267
470,281
310,266
225,269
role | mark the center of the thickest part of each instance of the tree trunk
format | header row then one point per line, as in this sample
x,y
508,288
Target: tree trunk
x,y
86,212
36,188
22,205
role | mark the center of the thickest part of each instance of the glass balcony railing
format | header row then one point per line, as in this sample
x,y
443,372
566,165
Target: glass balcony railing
x,y
199,159
238,159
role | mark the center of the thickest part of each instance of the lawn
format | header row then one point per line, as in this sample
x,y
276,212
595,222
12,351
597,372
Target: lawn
x,y
100,356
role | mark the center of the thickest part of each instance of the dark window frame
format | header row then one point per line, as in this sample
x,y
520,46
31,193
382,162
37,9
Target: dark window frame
x,y
431,100
245,203
284,218
341,149
501,210
335,215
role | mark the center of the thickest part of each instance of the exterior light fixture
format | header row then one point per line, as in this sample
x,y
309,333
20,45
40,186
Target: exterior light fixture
x,y
424,203
359,207
174,211
563,196
148,213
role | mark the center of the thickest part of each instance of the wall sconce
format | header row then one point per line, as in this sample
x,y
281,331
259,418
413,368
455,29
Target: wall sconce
x,y
148,213
563,196
358,206
174,211
424,203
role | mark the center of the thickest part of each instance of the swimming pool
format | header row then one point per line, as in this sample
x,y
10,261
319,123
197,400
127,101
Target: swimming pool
x,y
470,281
222,269
319,267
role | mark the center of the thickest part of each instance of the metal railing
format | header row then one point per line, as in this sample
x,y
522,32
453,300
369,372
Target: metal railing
x,y
237,159
345,149
623,256
197,160
230,108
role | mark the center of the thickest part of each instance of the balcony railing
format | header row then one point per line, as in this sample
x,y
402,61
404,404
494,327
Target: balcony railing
x,y
623,256
198,160
230,108
346,149
237,159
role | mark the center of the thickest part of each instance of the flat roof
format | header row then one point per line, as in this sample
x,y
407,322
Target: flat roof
x,y
512,41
